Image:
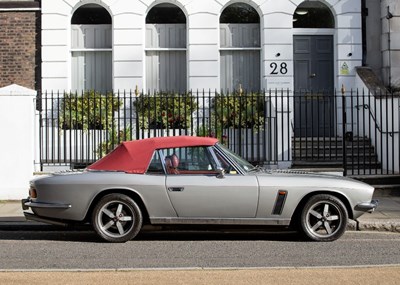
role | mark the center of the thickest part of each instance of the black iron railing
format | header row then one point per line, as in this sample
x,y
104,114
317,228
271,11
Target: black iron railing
x,y
355,131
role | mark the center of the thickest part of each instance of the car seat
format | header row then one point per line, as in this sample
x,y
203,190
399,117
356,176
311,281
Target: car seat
x,y
172,163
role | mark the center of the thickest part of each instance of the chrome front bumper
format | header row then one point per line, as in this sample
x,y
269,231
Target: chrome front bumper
x,y
367,206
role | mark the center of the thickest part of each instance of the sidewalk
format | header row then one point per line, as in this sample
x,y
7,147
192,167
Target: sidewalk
x,y
385,218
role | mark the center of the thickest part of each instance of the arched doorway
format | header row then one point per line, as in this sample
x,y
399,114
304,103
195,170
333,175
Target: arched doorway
x,y
91,49
240,48
313,70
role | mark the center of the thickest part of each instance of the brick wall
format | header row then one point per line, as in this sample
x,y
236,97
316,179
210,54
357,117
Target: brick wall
x,y
19,59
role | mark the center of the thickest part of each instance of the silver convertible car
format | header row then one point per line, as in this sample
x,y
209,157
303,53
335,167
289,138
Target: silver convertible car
x,y
192,181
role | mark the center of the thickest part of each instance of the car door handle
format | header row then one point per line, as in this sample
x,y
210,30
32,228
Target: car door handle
x,y
176,189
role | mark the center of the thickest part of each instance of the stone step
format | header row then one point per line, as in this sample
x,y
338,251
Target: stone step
x,y
332,163
324,152
332,144
385,184
327,153
387,190
329,139
379,179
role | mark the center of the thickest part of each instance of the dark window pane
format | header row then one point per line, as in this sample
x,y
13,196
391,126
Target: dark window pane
x,y
166,14
91,14
155,166
239,13
189,160
313,14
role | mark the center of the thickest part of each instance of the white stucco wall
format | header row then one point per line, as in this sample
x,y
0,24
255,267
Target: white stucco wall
x,y
17,125
203,46
390,42
128,18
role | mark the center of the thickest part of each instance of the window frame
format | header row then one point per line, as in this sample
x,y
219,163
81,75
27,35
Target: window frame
x,y
210,155
84,51
234,50
161,52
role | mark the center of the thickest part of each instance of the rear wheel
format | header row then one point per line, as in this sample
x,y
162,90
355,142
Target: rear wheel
x,y
117,218
323,218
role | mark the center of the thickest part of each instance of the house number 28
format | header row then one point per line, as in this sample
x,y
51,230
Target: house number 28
x,y
279,69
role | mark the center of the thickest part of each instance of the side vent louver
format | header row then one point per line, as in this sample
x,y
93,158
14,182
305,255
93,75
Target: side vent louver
x,y
280,202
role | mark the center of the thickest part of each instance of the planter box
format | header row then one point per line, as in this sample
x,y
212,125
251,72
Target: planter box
x,y
151,133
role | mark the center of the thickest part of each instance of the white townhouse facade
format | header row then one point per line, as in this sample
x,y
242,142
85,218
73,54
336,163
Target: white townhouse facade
x,y
179,45
200,44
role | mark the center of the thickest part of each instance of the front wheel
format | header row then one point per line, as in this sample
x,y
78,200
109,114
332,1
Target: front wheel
x,y
117,218
323,218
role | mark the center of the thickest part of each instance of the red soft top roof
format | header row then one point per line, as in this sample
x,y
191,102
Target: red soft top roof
x,y
135,156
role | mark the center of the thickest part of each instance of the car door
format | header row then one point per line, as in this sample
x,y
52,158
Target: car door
x,y
195,190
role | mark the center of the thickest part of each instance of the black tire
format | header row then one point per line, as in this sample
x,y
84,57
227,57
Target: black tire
x,y
323,218
117,218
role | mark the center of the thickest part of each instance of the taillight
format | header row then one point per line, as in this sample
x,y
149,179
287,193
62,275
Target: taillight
x,y
32,192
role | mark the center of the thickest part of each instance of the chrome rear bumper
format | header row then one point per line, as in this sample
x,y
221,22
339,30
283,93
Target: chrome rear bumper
x,y
27,203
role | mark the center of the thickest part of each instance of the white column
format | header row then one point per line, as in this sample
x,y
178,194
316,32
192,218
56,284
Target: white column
x,y
17,128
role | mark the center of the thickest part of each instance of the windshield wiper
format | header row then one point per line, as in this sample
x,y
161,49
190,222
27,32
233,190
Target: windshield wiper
x,y
256,168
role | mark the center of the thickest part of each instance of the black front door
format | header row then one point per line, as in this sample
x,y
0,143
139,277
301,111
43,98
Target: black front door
x,y
313,85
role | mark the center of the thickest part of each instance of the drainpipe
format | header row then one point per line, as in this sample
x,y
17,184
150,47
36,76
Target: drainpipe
x,y
388,17
364,15
344,122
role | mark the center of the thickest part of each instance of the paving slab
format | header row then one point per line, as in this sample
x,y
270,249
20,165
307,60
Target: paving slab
x,y
10,209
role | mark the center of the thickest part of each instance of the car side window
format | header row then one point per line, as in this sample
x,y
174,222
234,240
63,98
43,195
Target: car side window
x,y
189,160
155,166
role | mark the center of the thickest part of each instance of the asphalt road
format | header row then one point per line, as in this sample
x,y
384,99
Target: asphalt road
x,y
48,248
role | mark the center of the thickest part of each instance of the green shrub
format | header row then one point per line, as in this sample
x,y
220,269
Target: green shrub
x,y
165,110
239,111
91,110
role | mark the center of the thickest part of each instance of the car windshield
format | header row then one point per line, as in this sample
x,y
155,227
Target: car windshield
x,y
247,166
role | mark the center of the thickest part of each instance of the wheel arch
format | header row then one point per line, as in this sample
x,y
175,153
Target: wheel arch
x,y
304,200
130,193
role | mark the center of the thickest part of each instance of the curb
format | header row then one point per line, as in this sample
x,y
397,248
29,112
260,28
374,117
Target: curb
x,y
375,226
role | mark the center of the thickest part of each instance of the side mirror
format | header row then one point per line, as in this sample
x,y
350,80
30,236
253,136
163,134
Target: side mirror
x,y
221,173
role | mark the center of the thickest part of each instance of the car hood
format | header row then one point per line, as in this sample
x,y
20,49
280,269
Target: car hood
x,y
296,173
312,179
